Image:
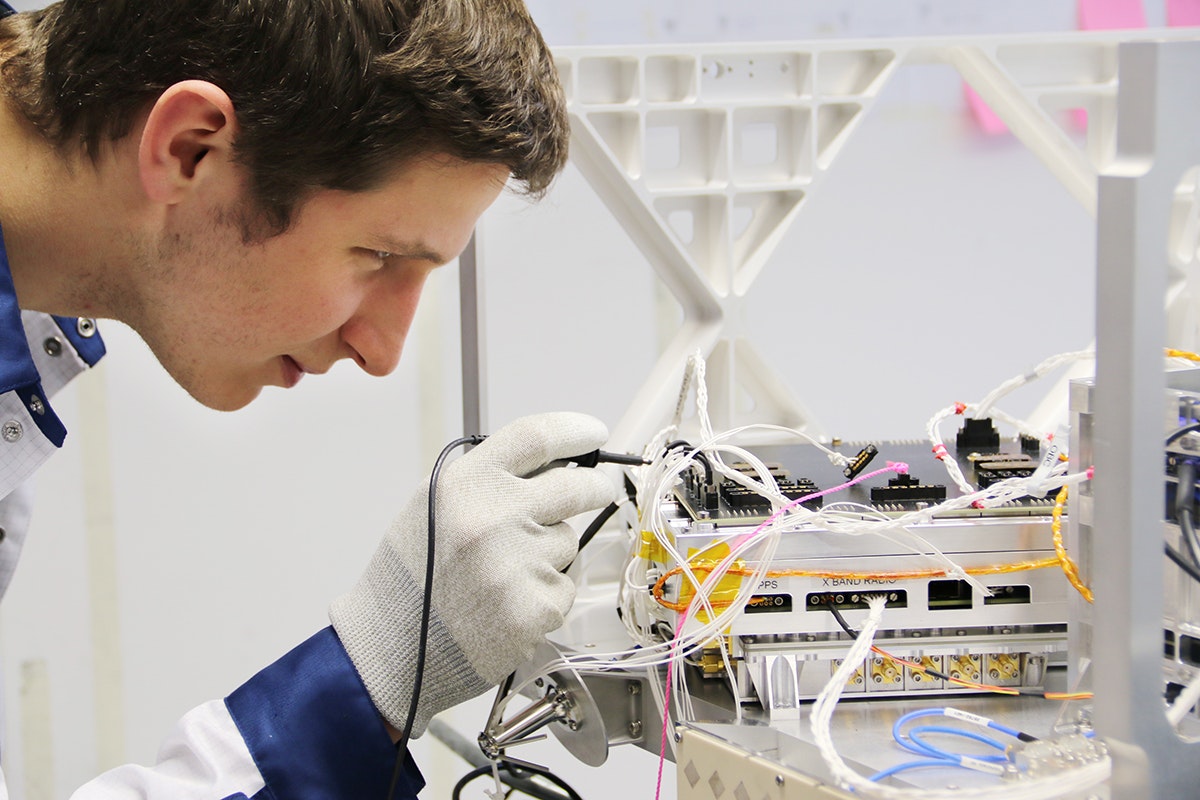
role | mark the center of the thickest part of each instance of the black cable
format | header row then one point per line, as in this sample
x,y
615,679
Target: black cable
x,y
1188,529
1185,490
1184,431
853,634
837,615
604,457
604,516
426,603
519,783
591,530
699,456
1182,562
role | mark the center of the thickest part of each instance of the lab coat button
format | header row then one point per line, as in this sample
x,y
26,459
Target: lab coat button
x,y
11,431
86,327
36,405
53,346
3,533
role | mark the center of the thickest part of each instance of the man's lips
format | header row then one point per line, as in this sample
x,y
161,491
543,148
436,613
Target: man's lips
x,y
292,372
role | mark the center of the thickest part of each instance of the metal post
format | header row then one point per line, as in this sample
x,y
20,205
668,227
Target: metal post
x,y
1158,141
474,373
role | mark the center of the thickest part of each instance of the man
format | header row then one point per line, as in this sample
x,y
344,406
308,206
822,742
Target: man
x,y
260,188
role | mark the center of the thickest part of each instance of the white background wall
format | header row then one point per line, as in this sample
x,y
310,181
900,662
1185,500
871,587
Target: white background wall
x,y
231,532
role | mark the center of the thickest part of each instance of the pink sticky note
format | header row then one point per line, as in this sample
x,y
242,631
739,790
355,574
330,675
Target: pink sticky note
x,y
987,120
1183,13
1107,15
1094,15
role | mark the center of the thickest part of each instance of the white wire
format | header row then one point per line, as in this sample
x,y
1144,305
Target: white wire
x,y
935,438
1048,365
1051,786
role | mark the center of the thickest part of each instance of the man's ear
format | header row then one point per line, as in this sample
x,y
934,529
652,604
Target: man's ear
x,y
189,127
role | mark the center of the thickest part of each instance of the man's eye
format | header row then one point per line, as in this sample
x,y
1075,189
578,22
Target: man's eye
x,y
382,255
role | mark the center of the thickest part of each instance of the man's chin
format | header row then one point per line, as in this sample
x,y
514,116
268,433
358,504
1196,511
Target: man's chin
x,y
223,398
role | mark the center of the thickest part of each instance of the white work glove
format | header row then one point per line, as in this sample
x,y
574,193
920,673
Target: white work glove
x,y
497,588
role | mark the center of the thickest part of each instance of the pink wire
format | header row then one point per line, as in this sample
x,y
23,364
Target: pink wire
x,y
892,466
896,466
662,748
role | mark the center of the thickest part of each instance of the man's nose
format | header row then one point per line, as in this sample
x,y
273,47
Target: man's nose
x,y
377,331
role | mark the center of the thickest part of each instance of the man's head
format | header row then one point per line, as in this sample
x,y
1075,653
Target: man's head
x,y
329,94
274,179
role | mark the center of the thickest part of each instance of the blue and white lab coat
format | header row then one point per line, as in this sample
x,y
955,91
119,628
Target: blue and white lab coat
x,y
304,727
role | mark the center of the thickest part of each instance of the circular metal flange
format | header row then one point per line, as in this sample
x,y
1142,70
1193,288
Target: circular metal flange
x,y
582,731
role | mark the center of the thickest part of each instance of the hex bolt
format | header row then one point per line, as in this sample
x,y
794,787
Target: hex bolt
x,y
635,729
635,688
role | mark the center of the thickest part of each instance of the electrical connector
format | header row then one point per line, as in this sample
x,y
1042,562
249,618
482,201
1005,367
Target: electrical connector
x,y
860,461
977,434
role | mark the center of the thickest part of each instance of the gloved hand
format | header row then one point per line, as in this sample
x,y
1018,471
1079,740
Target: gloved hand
x,y
497,589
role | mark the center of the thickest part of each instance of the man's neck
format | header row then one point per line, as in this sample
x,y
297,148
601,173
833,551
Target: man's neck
x,y
66,221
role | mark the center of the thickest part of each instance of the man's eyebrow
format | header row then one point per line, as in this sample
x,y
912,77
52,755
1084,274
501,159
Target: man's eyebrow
x,y
416,250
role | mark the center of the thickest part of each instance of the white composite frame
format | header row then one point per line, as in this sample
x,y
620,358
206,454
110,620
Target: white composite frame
x,y
706,155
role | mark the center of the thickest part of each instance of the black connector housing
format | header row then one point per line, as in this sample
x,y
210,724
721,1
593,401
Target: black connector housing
x,y
740,498
989,472
860,461
908,489
977,434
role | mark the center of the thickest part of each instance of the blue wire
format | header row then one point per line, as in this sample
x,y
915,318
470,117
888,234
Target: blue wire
x,y
930,762
937,752
899,736
935,756
996,726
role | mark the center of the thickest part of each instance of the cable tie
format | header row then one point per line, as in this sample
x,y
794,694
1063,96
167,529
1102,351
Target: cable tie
x,y
1091,472
939,451
978,504
1050,436
960,408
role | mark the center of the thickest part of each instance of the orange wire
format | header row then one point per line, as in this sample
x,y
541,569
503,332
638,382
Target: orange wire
x,y
706,567
1069,567
986,687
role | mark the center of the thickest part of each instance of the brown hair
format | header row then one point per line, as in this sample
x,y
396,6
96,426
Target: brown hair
x,y
329,94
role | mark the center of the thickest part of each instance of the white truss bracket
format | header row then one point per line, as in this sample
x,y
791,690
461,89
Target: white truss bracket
x,y
706,155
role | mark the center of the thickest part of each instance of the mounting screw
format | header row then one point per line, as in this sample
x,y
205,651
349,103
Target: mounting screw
x,y
779,780
678,737
539,683
635,688
572,724
635,729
